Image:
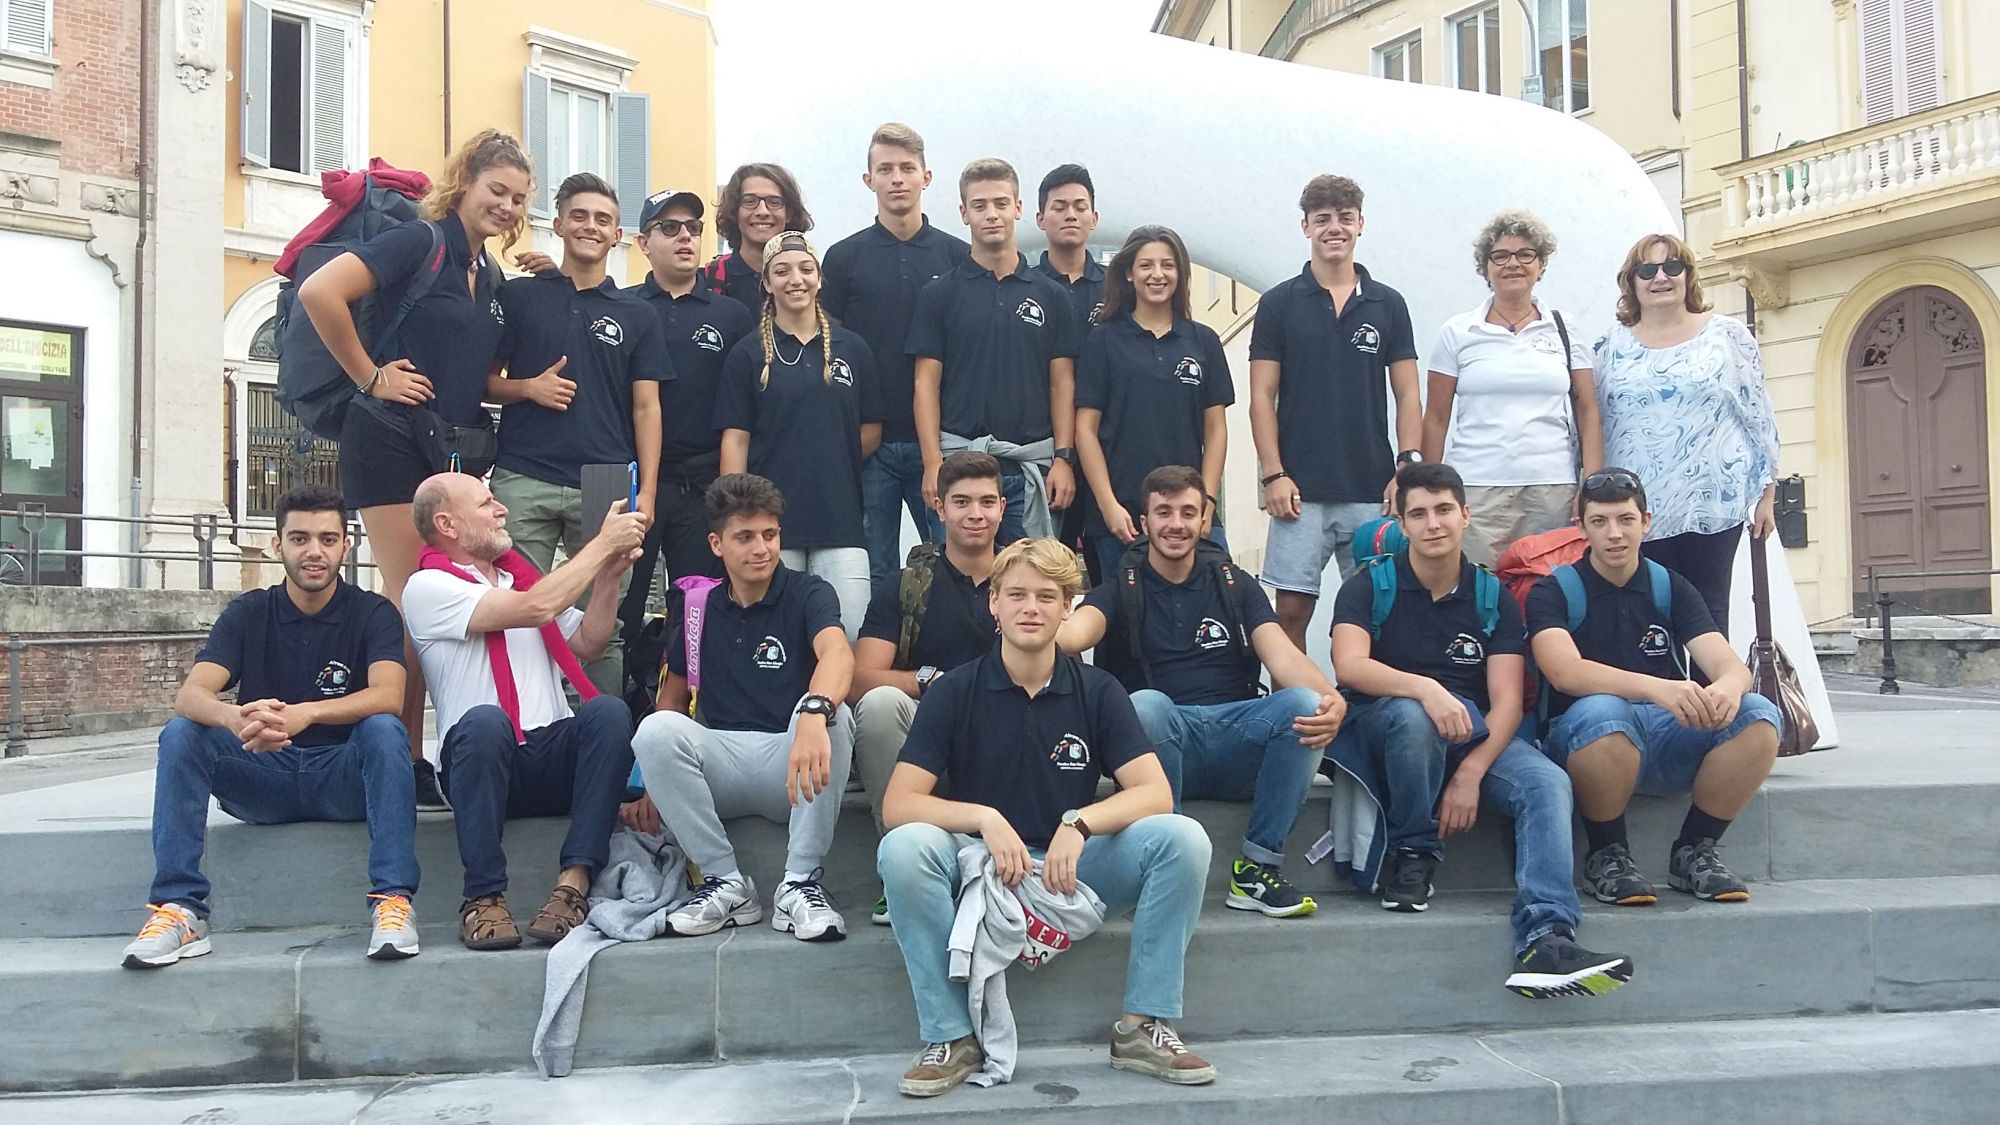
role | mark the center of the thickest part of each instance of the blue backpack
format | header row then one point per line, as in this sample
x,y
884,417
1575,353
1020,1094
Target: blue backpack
x,y
1376,545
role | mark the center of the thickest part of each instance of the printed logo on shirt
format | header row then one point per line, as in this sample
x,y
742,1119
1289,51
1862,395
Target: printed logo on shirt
x,y
1465,649
1030,312
1094,310
1045,940
1546,344
608,330
842,373
1368,338
334,679
769,653
1654,641
1071,753
1211,634
1188,371
707,338
499,314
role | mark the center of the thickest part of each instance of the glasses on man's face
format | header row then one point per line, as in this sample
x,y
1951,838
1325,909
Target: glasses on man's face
x,y
772,203
1647,271
1623,480
1527,256
672,228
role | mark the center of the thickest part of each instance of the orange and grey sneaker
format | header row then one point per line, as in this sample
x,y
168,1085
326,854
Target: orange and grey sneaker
x,y
485,923
171,933
1153,1048
942,1066
395,935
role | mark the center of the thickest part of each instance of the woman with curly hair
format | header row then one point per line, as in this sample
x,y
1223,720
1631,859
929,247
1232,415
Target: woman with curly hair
x,y
759,200
1510,401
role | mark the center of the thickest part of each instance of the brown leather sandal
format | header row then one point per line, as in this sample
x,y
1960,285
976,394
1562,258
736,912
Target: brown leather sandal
x,y
485,923
564,912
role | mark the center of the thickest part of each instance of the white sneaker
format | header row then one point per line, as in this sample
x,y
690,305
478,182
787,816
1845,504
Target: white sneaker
x,y
173,932
717,903
395,935
803,909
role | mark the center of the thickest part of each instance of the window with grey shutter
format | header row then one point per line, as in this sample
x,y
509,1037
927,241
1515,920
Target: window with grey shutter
x,y
535,131
326,102
632,154
1902,58
256,83
295,91
25,25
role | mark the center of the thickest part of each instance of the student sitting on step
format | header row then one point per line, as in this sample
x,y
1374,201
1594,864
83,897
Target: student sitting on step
x,y
317,665
1612,634
1190,635
768,737
1429,649
497,639
1024,733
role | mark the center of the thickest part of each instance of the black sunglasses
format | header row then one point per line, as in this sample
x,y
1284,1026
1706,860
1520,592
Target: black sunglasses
x,y
673,227
1624,480
1647,271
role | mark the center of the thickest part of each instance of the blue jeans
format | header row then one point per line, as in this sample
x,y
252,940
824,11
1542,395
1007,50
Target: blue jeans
x,y
575,767
892,480
1013,525
366,778
1243,751
1155,868
1522,784
1670,755
1110,549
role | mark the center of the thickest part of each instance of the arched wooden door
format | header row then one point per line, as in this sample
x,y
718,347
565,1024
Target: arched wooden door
x,y
1916,410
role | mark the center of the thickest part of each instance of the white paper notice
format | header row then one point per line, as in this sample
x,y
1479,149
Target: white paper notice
x,y
31,435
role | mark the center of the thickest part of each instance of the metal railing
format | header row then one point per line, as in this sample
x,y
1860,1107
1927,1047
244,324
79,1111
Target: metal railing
x,y
1303,18
21,564
1883,603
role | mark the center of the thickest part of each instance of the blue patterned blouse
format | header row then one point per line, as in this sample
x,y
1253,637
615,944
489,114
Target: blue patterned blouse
x,y
1693,421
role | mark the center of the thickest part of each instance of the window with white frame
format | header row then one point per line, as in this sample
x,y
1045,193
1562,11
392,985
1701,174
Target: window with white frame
x,y
577,116
297,88
1902,58
1475,49
1562,49
1402,60
25,26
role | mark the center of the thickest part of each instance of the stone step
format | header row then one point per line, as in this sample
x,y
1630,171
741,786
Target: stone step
x,y
1942,1068
1890,812
296,1005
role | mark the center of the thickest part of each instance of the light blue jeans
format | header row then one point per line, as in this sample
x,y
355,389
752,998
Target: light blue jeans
x,y
892,480
1242,751
1155,868
1670,754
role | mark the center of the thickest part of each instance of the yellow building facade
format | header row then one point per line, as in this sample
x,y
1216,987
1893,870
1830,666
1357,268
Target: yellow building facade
x,y
1835,163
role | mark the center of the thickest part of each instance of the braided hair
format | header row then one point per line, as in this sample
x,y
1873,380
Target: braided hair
x,y
791,240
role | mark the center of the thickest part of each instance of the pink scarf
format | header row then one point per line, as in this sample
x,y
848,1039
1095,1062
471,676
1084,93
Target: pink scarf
x,y
525,576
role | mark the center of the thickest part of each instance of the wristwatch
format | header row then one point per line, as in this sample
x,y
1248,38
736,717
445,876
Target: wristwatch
x,y
1074,819
1410,457
817,705
925,675
1067,454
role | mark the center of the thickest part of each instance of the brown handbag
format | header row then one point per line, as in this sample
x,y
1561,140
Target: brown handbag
x,y
1771,673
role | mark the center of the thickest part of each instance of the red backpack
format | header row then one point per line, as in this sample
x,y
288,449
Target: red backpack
x,y
1524,563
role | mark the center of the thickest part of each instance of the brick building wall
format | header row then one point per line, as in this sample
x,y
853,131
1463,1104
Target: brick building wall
x,y
94,108
112,683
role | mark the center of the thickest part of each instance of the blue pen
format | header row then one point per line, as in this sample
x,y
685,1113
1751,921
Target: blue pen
x,y
632,500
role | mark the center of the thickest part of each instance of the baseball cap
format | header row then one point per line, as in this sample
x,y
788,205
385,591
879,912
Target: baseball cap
x,y
656,205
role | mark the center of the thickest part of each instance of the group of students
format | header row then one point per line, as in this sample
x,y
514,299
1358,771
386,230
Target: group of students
x,y
785,410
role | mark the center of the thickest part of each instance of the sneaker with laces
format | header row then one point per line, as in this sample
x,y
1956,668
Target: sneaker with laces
x,y
1153,1048
430,795
880,917
171,933
395,935
942,1066
1406,881
1261,887
715,904
1555,965
803,909
486,923
1695,869
1614,878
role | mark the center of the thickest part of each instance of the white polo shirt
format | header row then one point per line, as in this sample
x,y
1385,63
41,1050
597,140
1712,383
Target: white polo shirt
x,y
437,607
1511,422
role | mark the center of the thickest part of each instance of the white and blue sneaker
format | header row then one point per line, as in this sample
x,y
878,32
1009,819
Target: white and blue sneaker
x,y
803,909
715,904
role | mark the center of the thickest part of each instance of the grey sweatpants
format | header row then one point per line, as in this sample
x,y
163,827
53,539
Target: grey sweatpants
x,y
697,776
881,722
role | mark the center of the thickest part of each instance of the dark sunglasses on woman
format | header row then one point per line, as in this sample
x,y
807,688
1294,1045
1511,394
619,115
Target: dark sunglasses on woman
x,y
1647,271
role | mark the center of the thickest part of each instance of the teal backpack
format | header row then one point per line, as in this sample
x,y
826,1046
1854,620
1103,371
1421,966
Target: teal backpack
x,y
1375,547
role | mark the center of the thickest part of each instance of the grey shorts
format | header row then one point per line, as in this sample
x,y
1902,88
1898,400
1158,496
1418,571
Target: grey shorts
x,y
1296,551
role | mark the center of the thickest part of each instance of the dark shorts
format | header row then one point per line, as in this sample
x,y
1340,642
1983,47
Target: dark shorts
x,y
380,461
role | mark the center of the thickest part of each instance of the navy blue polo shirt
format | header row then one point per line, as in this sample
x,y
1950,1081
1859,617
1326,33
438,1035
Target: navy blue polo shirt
x,y
1441,639
1333,382
612,340
996,337
699,328
1033,759
731,276
274,650
1086,293
1620,626
1195,661
453,332
1153,391
869,283
756,660
958,619
805,429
